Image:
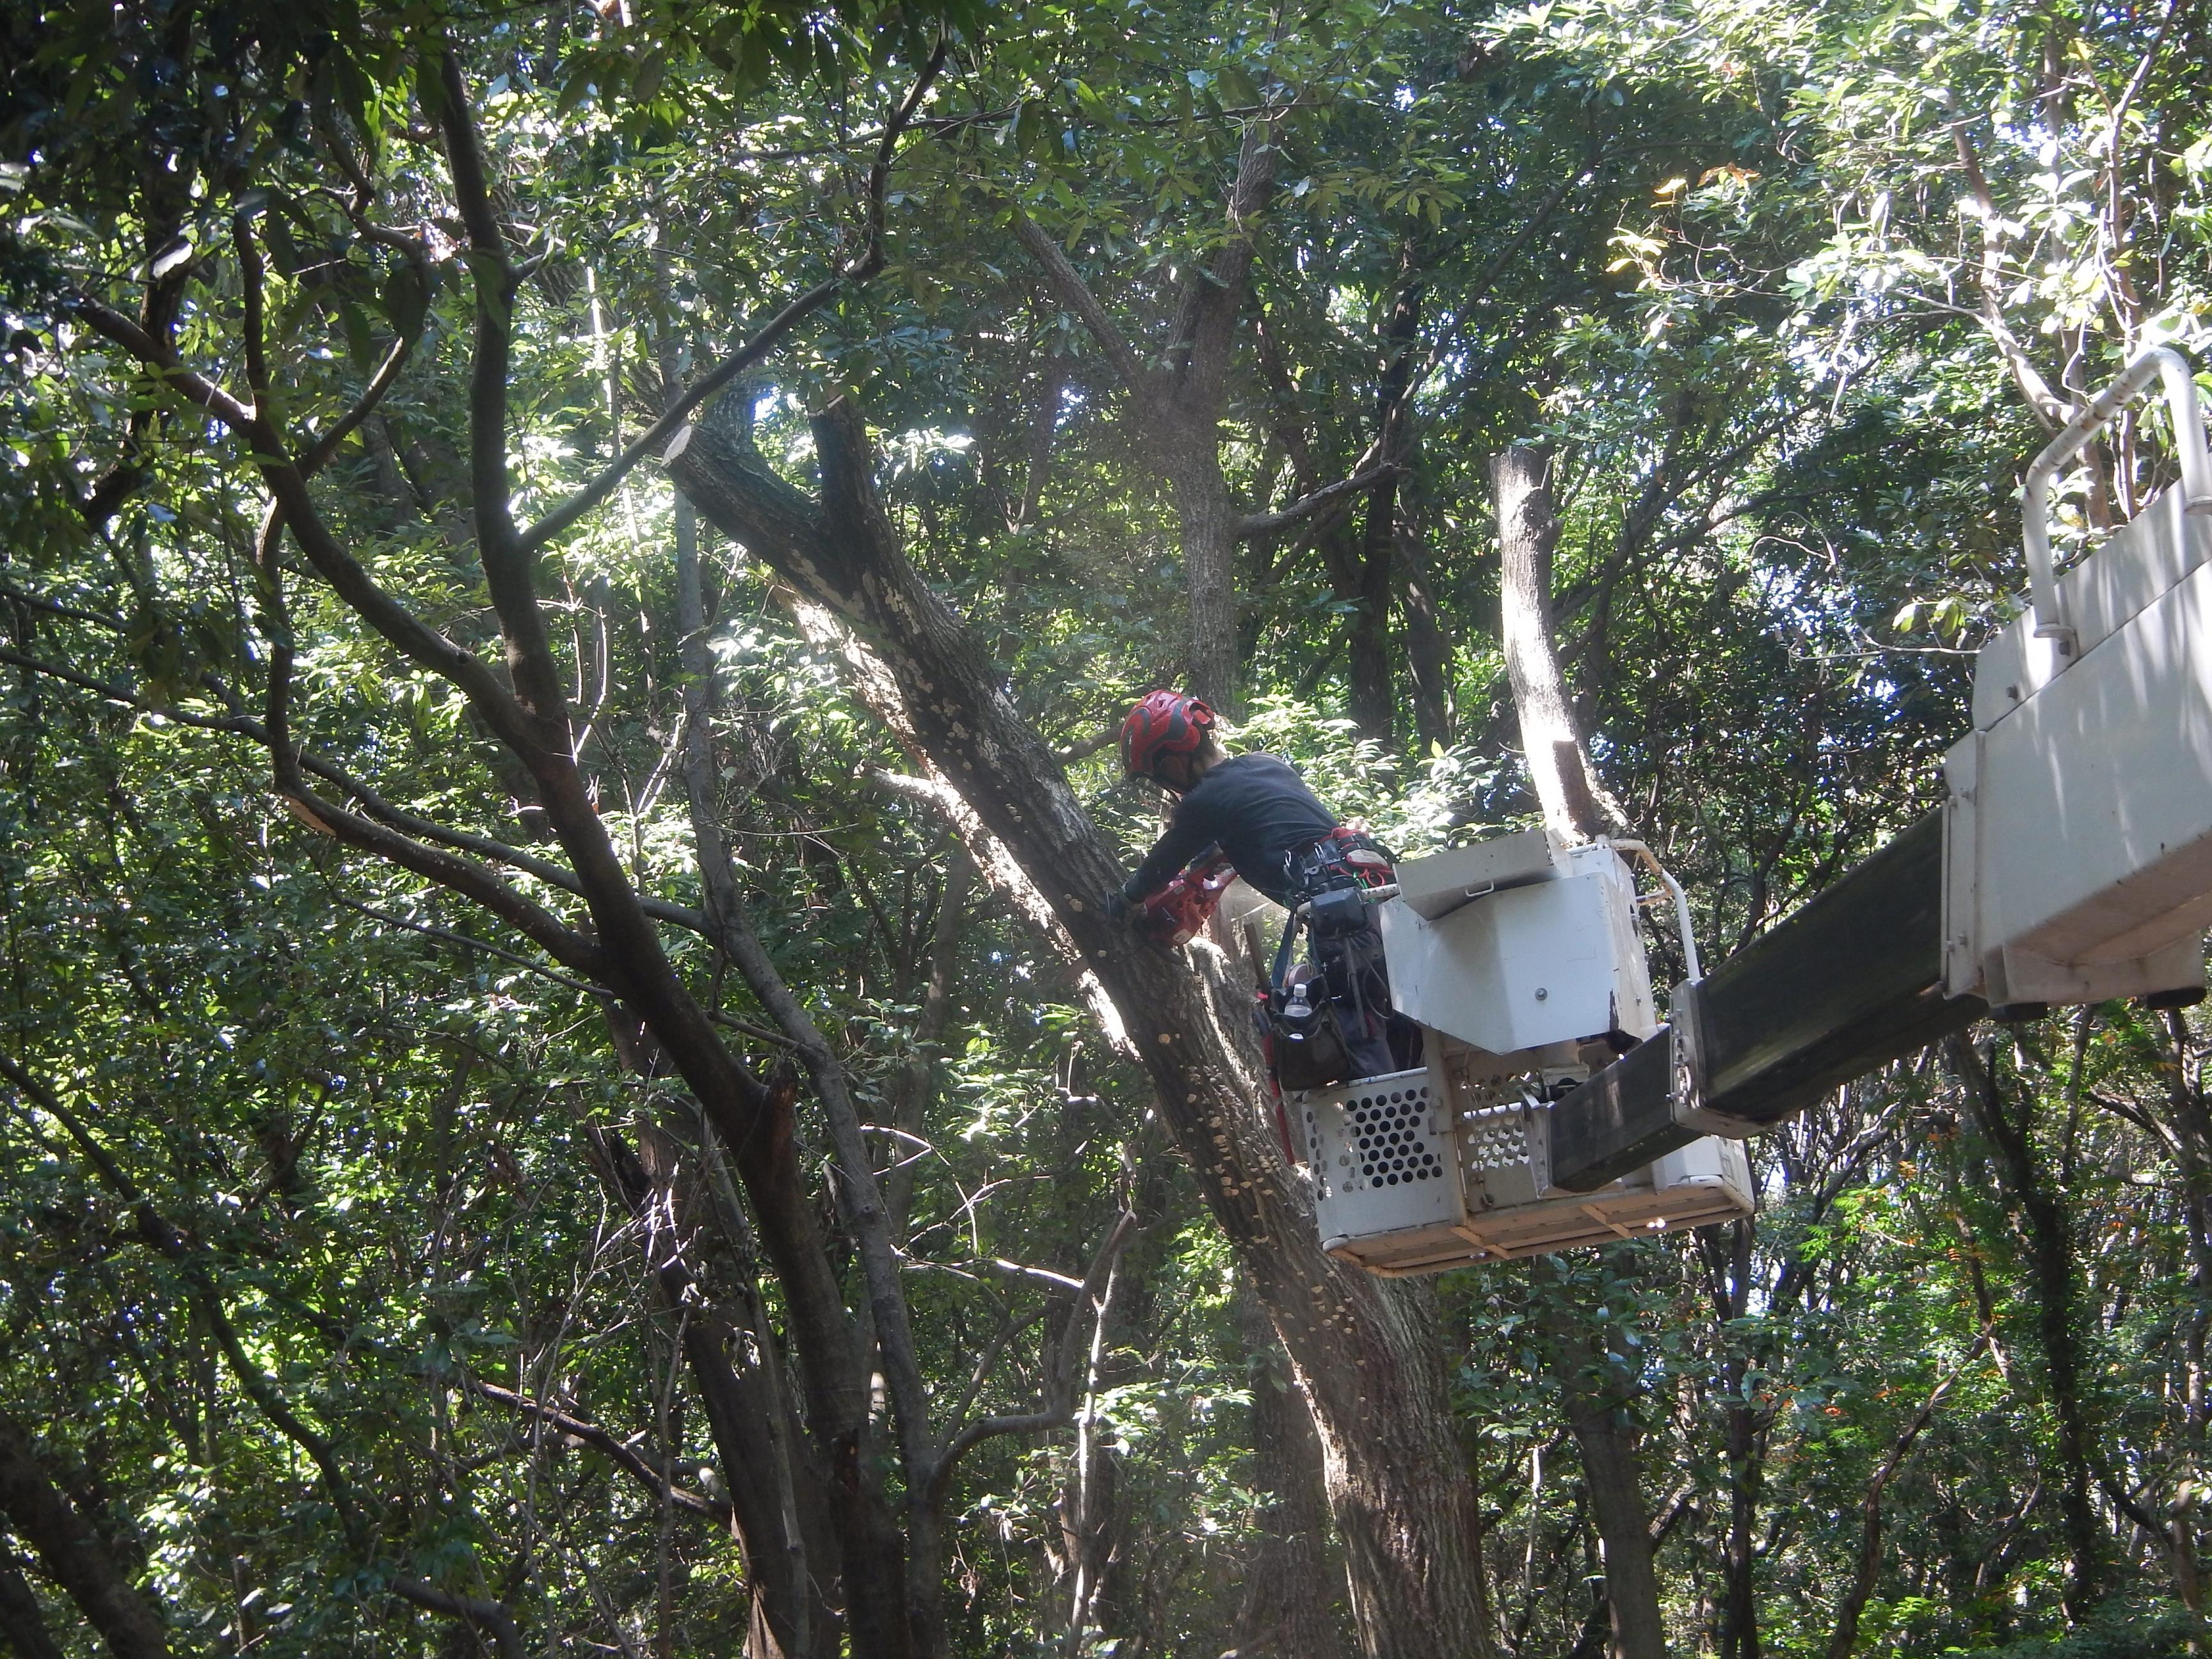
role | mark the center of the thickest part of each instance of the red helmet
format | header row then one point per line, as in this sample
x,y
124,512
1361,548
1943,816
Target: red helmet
x,y
1162,723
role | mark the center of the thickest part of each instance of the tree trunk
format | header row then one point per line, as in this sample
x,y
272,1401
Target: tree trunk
x,y
1574,806
1287,1610
918,1578
1576,810
1428,646
1374,701
2052,1272
1366,1352
72,1553
1176,411
790,1550
1596,1392
1209,518
22,1625
1746,1461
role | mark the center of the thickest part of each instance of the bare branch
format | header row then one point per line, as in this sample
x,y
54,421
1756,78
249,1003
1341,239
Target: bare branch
x,y
538,1411
164,1236
318,453
871,257
1269,524
1060,1392
56,608
493,275
770,336
1086,748
113,325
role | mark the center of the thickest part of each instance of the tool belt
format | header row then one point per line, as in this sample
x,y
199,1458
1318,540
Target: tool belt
x,y
1328,881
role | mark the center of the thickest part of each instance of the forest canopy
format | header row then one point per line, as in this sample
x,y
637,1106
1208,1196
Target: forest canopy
x,y
568,575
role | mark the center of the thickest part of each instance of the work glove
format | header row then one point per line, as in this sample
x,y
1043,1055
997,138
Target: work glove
x,y
1118,908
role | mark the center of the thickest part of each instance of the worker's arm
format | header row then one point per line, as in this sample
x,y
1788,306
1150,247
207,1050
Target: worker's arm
x,y
1190,833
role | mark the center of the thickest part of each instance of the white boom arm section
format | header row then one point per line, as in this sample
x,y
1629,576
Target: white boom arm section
x,y
2078,833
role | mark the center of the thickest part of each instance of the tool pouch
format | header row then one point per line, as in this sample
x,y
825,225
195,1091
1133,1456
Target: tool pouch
x,y
1308,1045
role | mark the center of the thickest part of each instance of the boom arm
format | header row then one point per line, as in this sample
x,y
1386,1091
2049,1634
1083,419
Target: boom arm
x,y
1854,979
2071,862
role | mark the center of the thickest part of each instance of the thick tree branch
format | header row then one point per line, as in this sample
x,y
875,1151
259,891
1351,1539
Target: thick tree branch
x,y
488,1616
400,627
858,1193
71,1551
23,1622
493,275
1066,282
1269,524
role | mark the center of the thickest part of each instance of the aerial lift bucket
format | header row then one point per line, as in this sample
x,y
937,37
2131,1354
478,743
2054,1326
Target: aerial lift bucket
x,y
1523,961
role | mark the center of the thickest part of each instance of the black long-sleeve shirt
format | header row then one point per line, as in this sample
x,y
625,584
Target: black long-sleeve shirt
x,y
1256,809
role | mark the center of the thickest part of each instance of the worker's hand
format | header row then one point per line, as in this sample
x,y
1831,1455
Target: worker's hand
x,y
1117,907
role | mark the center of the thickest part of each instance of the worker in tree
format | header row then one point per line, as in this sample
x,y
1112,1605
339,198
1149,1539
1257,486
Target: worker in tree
x,y
1329,1019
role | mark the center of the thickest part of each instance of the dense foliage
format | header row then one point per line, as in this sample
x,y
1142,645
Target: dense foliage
x,y
389,1261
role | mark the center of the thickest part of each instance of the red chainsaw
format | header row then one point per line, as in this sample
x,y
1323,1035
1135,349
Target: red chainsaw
x,y
1178,913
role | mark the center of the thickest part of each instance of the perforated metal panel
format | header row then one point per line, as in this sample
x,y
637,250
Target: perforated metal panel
x,y
1382,1153
1496,1140
1391,1142
1424,1170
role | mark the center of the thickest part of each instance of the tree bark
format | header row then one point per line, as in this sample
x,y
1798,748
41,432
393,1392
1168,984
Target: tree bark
x,y
22,1623
1177,410
1576,806
1374,701
917,1578
1209,518
1746,1461
1366,1352
72,1553
2053,1274
791,1551
1595,1393
1428,646
1287,1610
1576,810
